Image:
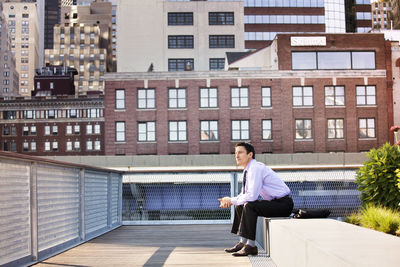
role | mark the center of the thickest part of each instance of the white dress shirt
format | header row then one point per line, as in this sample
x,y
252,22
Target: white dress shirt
x,y
261,181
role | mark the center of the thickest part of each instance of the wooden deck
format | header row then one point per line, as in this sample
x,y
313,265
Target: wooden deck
x,y
154,245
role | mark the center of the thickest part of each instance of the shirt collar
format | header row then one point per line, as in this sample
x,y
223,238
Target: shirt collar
x,y
248,165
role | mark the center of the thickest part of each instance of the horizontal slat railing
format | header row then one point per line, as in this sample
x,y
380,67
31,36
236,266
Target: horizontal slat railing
x,y
49,206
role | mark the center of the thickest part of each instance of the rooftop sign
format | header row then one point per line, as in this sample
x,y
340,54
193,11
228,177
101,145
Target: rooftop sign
x,y
308,41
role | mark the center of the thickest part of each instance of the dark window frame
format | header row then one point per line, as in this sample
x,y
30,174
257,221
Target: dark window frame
x,y
180,41
221,41
221,18
180,18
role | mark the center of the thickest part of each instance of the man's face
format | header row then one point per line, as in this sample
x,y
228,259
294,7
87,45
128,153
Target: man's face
x,y
241,156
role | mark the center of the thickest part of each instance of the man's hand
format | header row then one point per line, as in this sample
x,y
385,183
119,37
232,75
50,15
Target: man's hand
x,y
225,202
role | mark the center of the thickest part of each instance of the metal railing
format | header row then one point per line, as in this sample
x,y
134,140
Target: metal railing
x,y
49,206
187,196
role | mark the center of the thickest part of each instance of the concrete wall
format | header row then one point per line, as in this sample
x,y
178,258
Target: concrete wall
x,y
278,160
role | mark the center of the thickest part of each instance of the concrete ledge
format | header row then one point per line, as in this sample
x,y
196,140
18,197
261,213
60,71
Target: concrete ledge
x,y
327,242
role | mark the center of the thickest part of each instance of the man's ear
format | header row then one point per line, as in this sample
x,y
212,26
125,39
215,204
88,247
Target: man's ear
x,y
251,154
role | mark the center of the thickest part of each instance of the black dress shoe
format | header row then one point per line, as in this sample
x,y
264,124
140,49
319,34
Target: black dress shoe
x,y
237,247
246,250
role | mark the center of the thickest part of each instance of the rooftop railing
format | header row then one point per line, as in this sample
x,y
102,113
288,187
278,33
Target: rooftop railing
x,y
49,206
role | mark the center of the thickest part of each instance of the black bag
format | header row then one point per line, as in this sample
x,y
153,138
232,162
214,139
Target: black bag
x,y
310,213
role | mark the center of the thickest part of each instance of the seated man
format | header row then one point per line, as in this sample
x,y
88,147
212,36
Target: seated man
x,y
263,194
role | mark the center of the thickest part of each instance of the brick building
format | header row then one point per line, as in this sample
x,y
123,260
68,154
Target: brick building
x,y
56,125
304,93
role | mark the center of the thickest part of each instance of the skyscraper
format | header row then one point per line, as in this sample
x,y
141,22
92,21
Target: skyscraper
x,y
22,21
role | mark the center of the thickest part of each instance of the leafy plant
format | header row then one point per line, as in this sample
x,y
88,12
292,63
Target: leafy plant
x,y
378,179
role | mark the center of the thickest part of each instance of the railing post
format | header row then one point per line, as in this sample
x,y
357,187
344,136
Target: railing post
x,y
82,203
120,193
234,191
34,211
109,199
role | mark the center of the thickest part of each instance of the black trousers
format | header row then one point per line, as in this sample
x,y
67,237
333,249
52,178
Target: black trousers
x,y
245,220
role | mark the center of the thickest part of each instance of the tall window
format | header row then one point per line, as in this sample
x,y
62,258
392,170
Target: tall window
x,y
208,97
180,18
180,64
220,18
366,127
146,98
302,96
366,95
334,96
303,129
177,98
180,41
222,41
177,131
119,98
239,97
240,129
335,128
266,97
217,63
146,131
266,129
120,131
208,130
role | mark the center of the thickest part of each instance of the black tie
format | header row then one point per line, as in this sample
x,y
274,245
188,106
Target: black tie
x,y
244,181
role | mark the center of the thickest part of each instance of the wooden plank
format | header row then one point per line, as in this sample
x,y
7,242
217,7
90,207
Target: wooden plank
x,y
155,245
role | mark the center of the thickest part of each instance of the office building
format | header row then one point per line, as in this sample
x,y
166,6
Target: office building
x,y
51,18
22,21
381,15
278,98
159,35
8,73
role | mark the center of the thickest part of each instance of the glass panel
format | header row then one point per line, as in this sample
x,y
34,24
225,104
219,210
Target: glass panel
x,y
363,123
370,90
371,100
360,100
340,101
363,60
360,90
304,60
334,60
339,133
331,133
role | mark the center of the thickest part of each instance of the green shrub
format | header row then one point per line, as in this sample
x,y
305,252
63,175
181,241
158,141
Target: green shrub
x,y
378,179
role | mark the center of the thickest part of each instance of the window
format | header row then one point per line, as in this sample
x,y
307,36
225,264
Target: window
x,y
208,130
47,146
180,18
33,146
97,145
89,129
55,145
25,146
68,129
55,130
46,130
239,97
72,113
180,41
146,131
51,114
217,63
240,130
25,130
221,41
334,96
302,96
119,98
89,145
6,130
340,60
220,18
29,114
366,127
77,129
97,129
266,97
177,98
77,145
146,98
120,131
267,129
335,128
366,95
177,131
69,146
208,97
303,129
9,115
33,130
180,64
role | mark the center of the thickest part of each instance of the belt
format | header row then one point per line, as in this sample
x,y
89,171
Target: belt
x,y
285,197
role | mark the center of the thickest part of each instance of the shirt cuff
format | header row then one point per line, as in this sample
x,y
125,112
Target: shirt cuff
x,y
234,200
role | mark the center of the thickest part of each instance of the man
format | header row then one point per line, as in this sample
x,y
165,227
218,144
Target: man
x,y
263,194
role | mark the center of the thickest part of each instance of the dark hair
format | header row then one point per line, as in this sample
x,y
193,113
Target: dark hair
x,y
249,148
